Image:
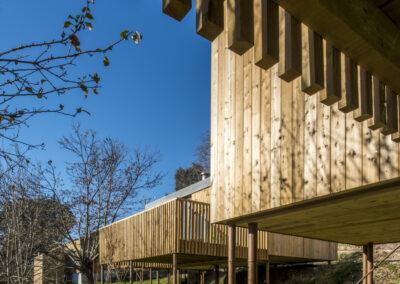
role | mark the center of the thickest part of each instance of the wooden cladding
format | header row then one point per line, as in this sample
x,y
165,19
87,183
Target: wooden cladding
x,y
279,37
180,226
183,227
176,9
272,144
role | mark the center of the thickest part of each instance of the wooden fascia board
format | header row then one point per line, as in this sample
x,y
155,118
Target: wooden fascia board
x,y
329,199
359,29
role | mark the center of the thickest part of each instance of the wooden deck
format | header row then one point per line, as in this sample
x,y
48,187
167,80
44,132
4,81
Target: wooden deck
x,y
183,227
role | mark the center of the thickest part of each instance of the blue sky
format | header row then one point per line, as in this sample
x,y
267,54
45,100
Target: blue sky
x,y
156,94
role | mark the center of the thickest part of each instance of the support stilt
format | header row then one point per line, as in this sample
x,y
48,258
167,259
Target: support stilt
x,y
370,263
175,276
216,268
101,274
252,258
130,272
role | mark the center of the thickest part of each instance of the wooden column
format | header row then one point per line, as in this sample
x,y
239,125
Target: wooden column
x,y
252,258
169,277
202,278
130,272
141,275
370,262
151,276
216,268
101,273
364,264
267,280
231,254
158,278
175,279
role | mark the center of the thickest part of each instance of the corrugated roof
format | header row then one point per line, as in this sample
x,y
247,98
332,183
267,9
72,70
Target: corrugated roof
x,y
184,192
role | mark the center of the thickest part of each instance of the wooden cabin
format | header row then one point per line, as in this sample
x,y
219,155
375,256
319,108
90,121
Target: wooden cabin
x,y
176,232
305,116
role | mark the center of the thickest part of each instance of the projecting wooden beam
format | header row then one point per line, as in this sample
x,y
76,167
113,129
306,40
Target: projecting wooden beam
x,y
312,77
176,9
396,136
378,105
209,18
364,111
391,112
349,100
357,27
289,66
332,91
266,33
240,19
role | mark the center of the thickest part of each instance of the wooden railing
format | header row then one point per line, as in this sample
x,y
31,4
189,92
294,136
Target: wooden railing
x,y
198,236
179,226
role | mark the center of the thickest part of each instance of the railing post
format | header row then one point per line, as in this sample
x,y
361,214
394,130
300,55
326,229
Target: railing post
x,y
267,280
169,276
216,268
157,276
231,254
252,258
130,272
151,276
175,276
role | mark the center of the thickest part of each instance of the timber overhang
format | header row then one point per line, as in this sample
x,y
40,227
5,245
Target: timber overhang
x,y
356,216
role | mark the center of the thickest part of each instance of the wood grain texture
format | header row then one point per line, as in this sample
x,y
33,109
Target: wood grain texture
x,y
255,138
286,141
266,33
365,109
290,147
276,129
390,112
144,240
209,18
312,77
298,137
378,105
289,46
349,97
247,132
265,137
176,9
323,171
332,92
214,123
240,25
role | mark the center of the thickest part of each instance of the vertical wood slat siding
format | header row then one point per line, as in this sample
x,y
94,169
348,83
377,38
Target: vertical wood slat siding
x,y
180,226
288,145
137,237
